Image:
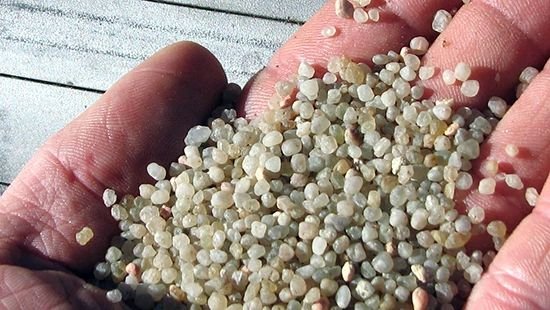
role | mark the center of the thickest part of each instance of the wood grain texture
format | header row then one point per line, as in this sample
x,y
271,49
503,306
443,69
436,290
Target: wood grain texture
x,y
92,43
29,114
293,10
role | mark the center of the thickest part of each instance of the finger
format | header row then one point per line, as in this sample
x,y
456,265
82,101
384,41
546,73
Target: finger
x,y
142,118
497,39
518,277
25,289
525,125
399,22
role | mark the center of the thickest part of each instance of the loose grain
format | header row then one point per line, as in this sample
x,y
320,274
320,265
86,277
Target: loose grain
x,y
448,77
469,88
343,8
531,195
328,201
328,31
441,20
84,236
360,15
511,150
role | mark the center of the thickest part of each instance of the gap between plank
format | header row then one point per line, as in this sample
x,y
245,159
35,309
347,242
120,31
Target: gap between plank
x,y
27,79
3,187
198,7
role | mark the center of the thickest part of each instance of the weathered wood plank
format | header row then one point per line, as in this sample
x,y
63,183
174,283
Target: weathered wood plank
x,y
284,9
92,43
29,114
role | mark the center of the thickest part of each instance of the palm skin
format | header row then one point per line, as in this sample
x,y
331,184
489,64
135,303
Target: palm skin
x,y
144,116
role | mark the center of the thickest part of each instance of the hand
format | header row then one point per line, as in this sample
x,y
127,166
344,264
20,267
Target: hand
x,y
142,118
494,37
145,115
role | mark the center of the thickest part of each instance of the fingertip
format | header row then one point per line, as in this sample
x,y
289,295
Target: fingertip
x,y
184,56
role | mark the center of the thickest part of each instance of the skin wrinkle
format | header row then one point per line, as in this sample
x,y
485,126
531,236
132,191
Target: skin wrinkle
x,y
540,247
66,155
44,183
62,165
67,296
509,22
54,206
508,285
3,303
520,14
35,240
87,164
41,187
11,252
45,237
18,195
11,219
7,285
71,158
53,236
110,123
20,291
61,291
79,178
32,237
508,279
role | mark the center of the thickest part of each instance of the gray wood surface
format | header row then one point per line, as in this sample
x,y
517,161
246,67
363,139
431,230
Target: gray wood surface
x,y
92,43
89,44
29,114
3,188
292,10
